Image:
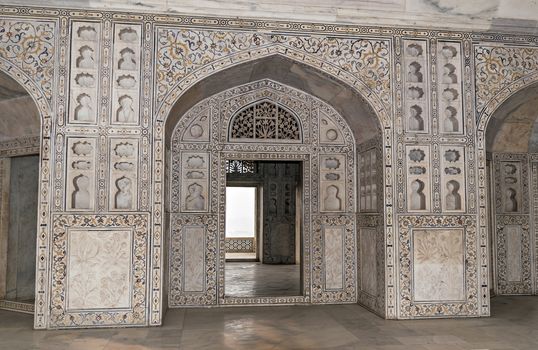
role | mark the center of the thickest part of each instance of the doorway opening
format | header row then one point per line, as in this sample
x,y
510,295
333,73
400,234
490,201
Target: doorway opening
x,y
241,223
263,229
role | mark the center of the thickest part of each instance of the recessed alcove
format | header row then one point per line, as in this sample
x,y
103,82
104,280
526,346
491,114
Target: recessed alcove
x,y
19,183
512,169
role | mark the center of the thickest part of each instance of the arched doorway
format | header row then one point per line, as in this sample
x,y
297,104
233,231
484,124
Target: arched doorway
x,y
512,167
336,128
19,181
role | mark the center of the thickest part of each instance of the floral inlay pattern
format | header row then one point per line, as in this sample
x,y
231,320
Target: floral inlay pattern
x,y
498,66
30,45
183,51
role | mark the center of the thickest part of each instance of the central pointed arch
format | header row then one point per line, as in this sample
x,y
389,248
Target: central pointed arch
x,y
367,127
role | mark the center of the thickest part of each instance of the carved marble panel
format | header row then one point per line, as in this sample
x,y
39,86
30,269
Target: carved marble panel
x,y
415,73
123,176
193,281
100,274
453,187
418,178
99,269
509,187
330,260
80,174
449,84
126,74
438,265
84,72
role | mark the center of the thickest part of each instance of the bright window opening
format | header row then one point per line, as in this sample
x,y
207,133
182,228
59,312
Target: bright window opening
x,y
240,211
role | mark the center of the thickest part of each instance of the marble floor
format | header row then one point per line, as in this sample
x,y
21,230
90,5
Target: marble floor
x,y
513,325
254,279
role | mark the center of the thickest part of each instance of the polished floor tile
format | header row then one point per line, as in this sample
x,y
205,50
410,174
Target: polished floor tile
x,y
254,279
513,326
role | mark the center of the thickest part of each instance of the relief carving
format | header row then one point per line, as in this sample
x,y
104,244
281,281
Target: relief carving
x,y
438,265
453,178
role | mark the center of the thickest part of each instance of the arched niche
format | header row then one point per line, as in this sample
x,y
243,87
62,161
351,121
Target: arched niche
x,y
20,130
202,141
511,140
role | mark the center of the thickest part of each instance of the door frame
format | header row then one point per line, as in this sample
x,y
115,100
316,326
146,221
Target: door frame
x,y
305,214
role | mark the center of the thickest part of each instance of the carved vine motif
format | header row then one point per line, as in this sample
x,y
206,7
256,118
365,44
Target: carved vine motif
x,y
30,45
498,67
182,51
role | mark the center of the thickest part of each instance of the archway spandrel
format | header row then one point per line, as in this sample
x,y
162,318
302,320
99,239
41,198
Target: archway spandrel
x,y
500,72
187,55
29,45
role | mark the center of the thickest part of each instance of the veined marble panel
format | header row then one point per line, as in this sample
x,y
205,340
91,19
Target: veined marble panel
x,y
513,253
334,257
194,255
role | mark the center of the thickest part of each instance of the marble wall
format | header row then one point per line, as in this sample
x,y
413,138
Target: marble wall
x,y
105,84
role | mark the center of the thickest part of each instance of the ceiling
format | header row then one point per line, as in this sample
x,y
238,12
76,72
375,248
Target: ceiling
x,y
480,15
